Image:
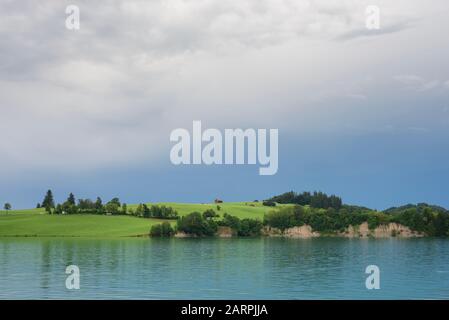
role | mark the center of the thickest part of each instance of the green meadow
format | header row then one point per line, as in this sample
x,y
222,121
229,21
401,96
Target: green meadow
x,y
37,223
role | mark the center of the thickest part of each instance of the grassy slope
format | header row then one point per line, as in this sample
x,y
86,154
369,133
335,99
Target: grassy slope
x,y
35,222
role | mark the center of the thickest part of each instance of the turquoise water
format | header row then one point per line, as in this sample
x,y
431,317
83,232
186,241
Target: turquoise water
x,y
259,268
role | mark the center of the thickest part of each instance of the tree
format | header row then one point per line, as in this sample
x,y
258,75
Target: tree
x,y
269,203
231,221
146,211
48,209
7,207
281,219
159,212
116,201
244,228
139,210
71,199
99,205
69,208
38,205
58,209
162,230
113,206
195,224
48,202
315,200
209,214
249,227
441,224
86,206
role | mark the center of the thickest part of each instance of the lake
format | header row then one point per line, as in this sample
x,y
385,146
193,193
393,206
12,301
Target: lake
x,y
236,268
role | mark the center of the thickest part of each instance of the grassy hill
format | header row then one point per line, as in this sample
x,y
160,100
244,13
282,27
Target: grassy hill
x,y
35,222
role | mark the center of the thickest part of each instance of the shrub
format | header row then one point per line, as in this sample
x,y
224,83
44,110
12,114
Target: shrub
x,y
249,227
195,224
162,230
269,203
243,227
320,221
281,219
377,218
209,214
427,220
230,221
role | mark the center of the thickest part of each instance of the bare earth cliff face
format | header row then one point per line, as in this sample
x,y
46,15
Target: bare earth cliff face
x,y
382,231
361,231
225,232
303,232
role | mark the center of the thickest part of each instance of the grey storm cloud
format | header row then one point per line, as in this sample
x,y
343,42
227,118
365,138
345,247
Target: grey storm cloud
x,y
417,83
136,70
364,32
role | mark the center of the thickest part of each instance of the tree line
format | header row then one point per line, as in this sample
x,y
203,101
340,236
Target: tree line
x,y
206,224
158,212
112,207
426,220
82,206
322,212
317,199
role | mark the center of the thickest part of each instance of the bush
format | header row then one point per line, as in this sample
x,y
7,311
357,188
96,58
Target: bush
x,y
243,227
162,230
209,214
427,220
195,224
249,227
321,221
377,218
230,221
281,219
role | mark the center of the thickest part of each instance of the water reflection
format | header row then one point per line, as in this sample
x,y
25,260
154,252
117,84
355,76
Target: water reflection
x,y
223,268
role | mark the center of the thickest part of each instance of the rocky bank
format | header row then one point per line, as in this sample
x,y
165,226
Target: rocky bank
x,y
361,231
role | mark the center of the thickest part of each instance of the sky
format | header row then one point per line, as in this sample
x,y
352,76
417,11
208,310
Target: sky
x,y
361,113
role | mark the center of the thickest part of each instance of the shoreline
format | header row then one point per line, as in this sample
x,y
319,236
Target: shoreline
x,y
227,220
390,230
362,231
